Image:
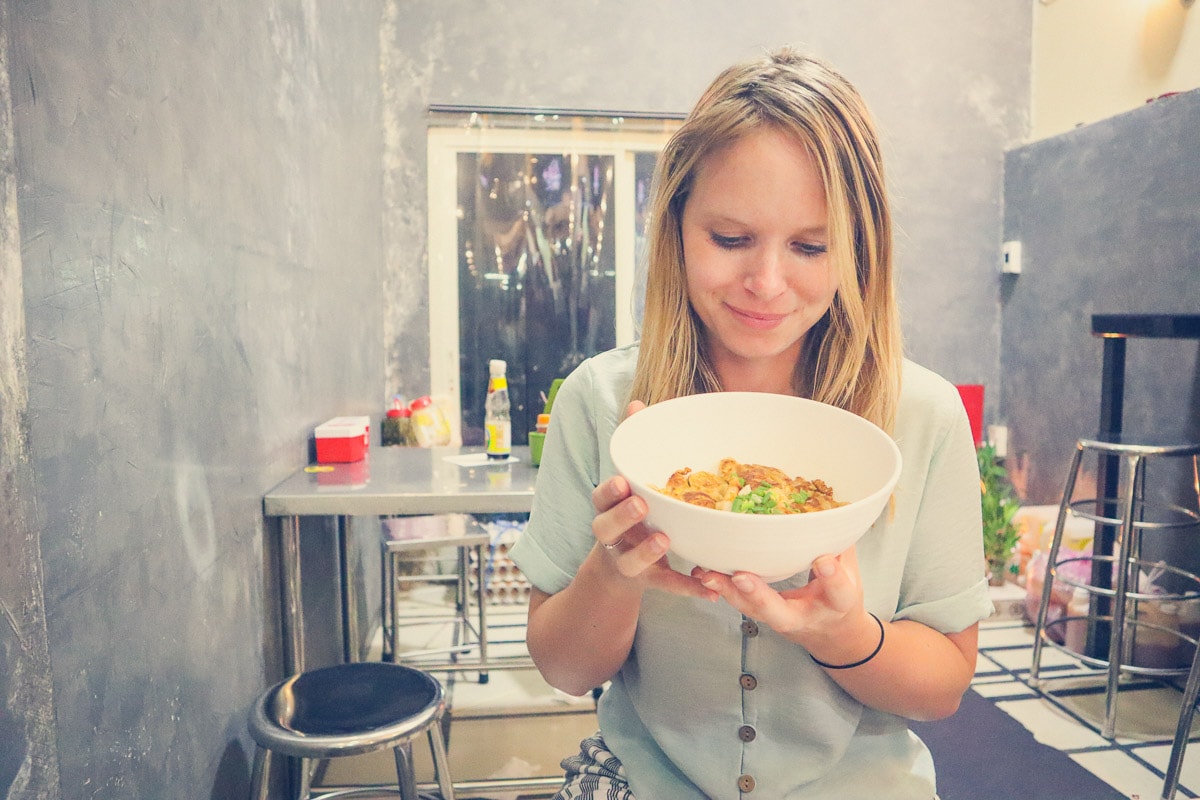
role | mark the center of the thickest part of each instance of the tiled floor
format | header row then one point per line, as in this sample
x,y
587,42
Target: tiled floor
x,y
516,726
1071,720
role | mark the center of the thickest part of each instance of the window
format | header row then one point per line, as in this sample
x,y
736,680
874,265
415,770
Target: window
x,y
535,222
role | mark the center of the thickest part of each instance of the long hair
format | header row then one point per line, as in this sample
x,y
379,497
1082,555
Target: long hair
x,y
851,357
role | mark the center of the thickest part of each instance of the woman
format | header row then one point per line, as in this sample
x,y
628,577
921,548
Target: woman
x,y
770,270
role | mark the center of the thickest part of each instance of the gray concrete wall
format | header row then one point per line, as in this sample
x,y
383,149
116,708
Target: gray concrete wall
x,y
198,196
221,213
1107,215
948,82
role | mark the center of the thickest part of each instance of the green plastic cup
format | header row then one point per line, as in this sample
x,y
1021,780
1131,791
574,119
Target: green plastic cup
x,y
536,440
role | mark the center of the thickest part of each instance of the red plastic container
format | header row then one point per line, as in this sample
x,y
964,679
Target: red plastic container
x,y
343,440
972,397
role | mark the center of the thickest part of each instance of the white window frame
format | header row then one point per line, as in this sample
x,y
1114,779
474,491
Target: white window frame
x,y
444,146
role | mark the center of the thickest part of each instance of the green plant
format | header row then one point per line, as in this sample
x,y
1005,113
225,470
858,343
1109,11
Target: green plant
x,y
999,506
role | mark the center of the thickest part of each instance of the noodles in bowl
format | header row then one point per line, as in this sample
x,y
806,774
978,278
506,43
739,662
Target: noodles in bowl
x,y
795,436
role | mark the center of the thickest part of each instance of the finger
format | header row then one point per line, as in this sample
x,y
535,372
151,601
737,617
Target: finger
x,y
634,407
835,583
613,525
668,580
610,492
747,593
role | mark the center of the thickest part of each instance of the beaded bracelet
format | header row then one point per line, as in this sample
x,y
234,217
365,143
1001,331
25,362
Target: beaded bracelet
x,y
861,661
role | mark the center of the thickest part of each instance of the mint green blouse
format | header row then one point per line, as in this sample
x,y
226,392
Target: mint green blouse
x,y
712,705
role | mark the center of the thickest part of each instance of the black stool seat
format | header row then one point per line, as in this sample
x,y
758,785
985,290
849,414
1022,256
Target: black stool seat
x,y
325,710
350,709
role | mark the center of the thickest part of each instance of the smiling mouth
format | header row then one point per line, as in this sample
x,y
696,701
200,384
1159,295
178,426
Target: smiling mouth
x,y
757,319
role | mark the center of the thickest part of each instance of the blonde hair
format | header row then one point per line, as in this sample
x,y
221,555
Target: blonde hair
x,y
851,357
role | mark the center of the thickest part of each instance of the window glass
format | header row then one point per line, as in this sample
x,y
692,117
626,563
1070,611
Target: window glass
x,y
536,231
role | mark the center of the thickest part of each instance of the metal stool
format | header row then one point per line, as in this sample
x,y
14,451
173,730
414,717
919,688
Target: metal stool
x,y
1183,730
1137,516
406,535
346,710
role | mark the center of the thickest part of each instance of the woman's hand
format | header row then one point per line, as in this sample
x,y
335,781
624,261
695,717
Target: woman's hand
x,y
632,549
826,609
910,669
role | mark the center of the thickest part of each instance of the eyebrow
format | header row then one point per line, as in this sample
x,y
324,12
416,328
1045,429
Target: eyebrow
x,y
811,230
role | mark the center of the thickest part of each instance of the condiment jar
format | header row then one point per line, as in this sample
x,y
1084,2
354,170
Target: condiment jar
x,y
429,425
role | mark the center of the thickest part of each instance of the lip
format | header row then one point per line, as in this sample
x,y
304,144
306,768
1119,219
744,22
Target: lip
x,y
756,319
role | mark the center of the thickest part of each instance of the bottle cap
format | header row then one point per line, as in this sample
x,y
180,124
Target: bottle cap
x,y
421,402
399,412
497,366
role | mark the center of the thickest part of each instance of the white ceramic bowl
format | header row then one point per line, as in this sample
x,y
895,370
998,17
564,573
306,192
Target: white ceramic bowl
x,y
801,437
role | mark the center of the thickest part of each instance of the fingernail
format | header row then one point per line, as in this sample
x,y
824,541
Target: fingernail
x,y
825,567
743,583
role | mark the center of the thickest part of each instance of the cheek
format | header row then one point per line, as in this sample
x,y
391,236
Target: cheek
x,y
699,271
821,283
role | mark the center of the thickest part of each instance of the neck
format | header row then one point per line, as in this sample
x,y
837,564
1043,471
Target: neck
x,y
742,377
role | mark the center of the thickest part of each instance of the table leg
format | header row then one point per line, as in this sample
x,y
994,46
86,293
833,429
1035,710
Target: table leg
x,y
291,618
1112,401
349,599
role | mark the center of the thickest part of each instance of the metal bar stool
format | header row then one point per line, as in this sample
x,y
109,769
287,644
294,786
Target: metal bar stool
x,y
346,710
1183,729
1137,517
407,535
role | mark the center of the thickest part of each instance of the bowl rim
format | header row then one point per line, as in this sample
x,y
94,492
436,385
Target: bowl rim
x,y
852,507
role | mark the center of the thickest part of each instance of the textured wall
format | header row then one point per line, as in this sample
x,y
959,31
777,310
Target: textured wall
x,y
948,82
1107,216
222,243
28,757
199,194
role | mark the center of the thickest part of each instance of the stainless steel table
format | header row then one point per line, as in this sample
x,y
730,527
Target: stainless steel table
x,y
390,481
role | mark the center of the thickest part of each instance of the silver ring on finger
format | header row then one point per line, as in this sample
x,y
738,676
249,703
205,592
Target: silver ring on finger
x,y
613,545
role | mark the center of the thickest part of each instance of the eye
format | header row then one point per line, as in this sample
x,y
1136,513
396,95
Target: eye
x,y
727,242
811,249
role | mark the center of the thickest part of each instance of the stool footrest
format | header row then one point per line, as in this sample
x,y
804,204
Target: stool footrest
x,y
1138,563
1186,517
1131,626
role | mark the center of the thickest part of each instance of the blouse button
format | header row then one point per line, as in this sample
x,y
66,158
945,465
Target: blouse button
x,y
748,681
747,733
746,783
749,628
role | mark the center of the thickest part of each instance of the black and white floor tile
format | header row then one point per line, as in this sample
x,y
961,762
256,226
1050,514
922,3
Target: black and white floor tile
x,y
1068,713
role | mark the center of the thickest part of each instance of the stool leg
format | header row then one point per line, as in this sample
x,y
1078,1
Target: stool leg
x,y
385,612
441,763
307,766
394,602
481,602
1196,480
1117,634
1048,577
406,779
1183,730
262,771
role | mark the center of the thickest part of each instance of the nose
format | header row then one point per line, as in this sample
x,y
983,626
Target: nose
x,y
766,274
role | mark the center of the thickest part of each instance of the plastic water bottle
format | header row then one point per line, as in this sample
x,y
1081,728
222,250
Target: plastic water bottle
x,y
497,419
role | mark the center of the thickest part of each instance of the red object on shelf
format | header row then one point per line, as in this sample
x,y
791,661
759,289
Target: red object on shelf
x,y
343,440
972,397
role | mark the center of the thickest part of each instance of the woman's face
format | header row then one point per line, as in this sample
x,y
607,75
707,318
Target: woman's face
x,y
755,245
